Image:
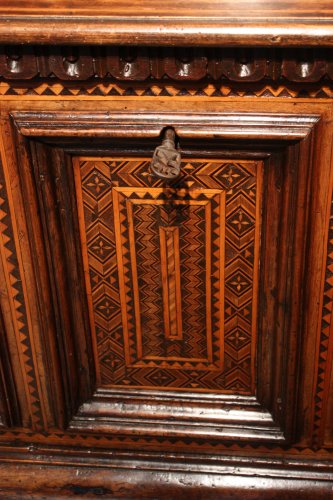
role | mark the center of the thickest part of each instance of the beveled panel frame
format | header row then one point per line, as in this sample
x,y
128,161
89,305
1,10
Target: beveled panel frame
x,y
46,142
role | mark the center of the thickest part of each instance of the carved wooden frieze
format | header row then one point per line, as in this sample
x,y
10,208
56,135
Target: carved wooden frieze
x,y
174,64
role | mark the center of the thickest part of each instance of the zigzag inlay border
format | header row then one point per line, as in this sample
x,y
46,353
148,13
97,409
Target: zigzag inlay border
x,y
17,296
326,326
168,89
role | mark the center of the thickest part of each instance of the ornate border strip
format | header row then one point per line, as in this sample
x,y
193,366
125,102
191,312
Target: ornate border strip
x,y
97,88
16,293
98,26
325,345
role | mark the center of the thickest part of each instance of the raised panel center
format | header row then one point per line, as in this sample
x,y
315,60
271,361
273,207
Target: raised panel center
x,y
171,282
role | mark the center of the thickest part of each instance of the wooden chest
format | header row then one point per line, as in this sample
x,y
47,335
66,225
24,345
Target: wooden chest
x,y
166,244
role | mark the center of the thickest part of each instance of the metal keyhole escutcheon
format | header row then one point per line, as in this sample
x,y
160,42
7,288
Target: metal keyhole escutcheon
x,y
166,159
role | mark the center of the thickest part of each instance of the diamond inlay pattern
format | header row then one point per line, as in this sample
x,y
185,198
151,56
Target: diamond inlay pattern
x,y
212,209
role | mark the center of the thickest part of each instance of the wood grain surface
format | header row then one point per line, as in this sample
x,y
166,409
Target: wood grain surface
x,y
148,22
243,9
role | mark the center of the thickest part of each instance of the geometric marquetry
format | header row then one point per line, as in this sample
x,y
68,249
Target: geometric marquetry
x,y
166,339
170,272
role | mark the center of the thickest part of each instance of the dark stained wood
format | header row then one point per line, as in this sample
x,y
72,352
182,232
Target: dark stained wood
x,y
179,64
121,479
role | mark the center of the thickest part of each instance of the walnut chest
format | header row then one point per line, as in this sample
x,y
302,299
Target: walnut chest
x,y
166,249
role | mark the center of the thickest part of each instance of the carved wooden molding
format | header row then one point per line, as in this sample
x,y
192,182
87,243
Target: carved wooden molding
x,y
150,125
127,475
168,30
166,64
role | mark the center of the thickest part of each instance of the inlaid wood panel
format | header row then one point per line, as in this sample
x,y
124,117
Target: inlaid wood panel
x,y
166,340
171,272
166,325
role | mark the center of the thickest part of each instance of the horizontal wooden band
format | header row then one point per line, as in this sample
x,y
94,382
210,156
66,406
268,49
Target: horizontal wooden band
x,y
148,125
154,64
166,31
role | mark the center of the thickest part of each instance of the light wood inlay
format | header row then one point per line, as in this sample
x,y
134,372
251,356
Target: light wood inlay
x,y
170,267
171,273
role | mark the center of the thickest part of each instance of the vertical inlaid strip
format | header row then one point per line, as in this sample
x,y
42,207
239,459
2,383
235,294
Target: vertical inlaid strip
x,y
169,242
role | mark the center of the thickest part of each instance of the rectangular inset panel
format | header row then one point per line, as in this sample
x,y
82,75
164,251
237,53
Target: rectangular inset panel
x,y
141,281
171,283
171,272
